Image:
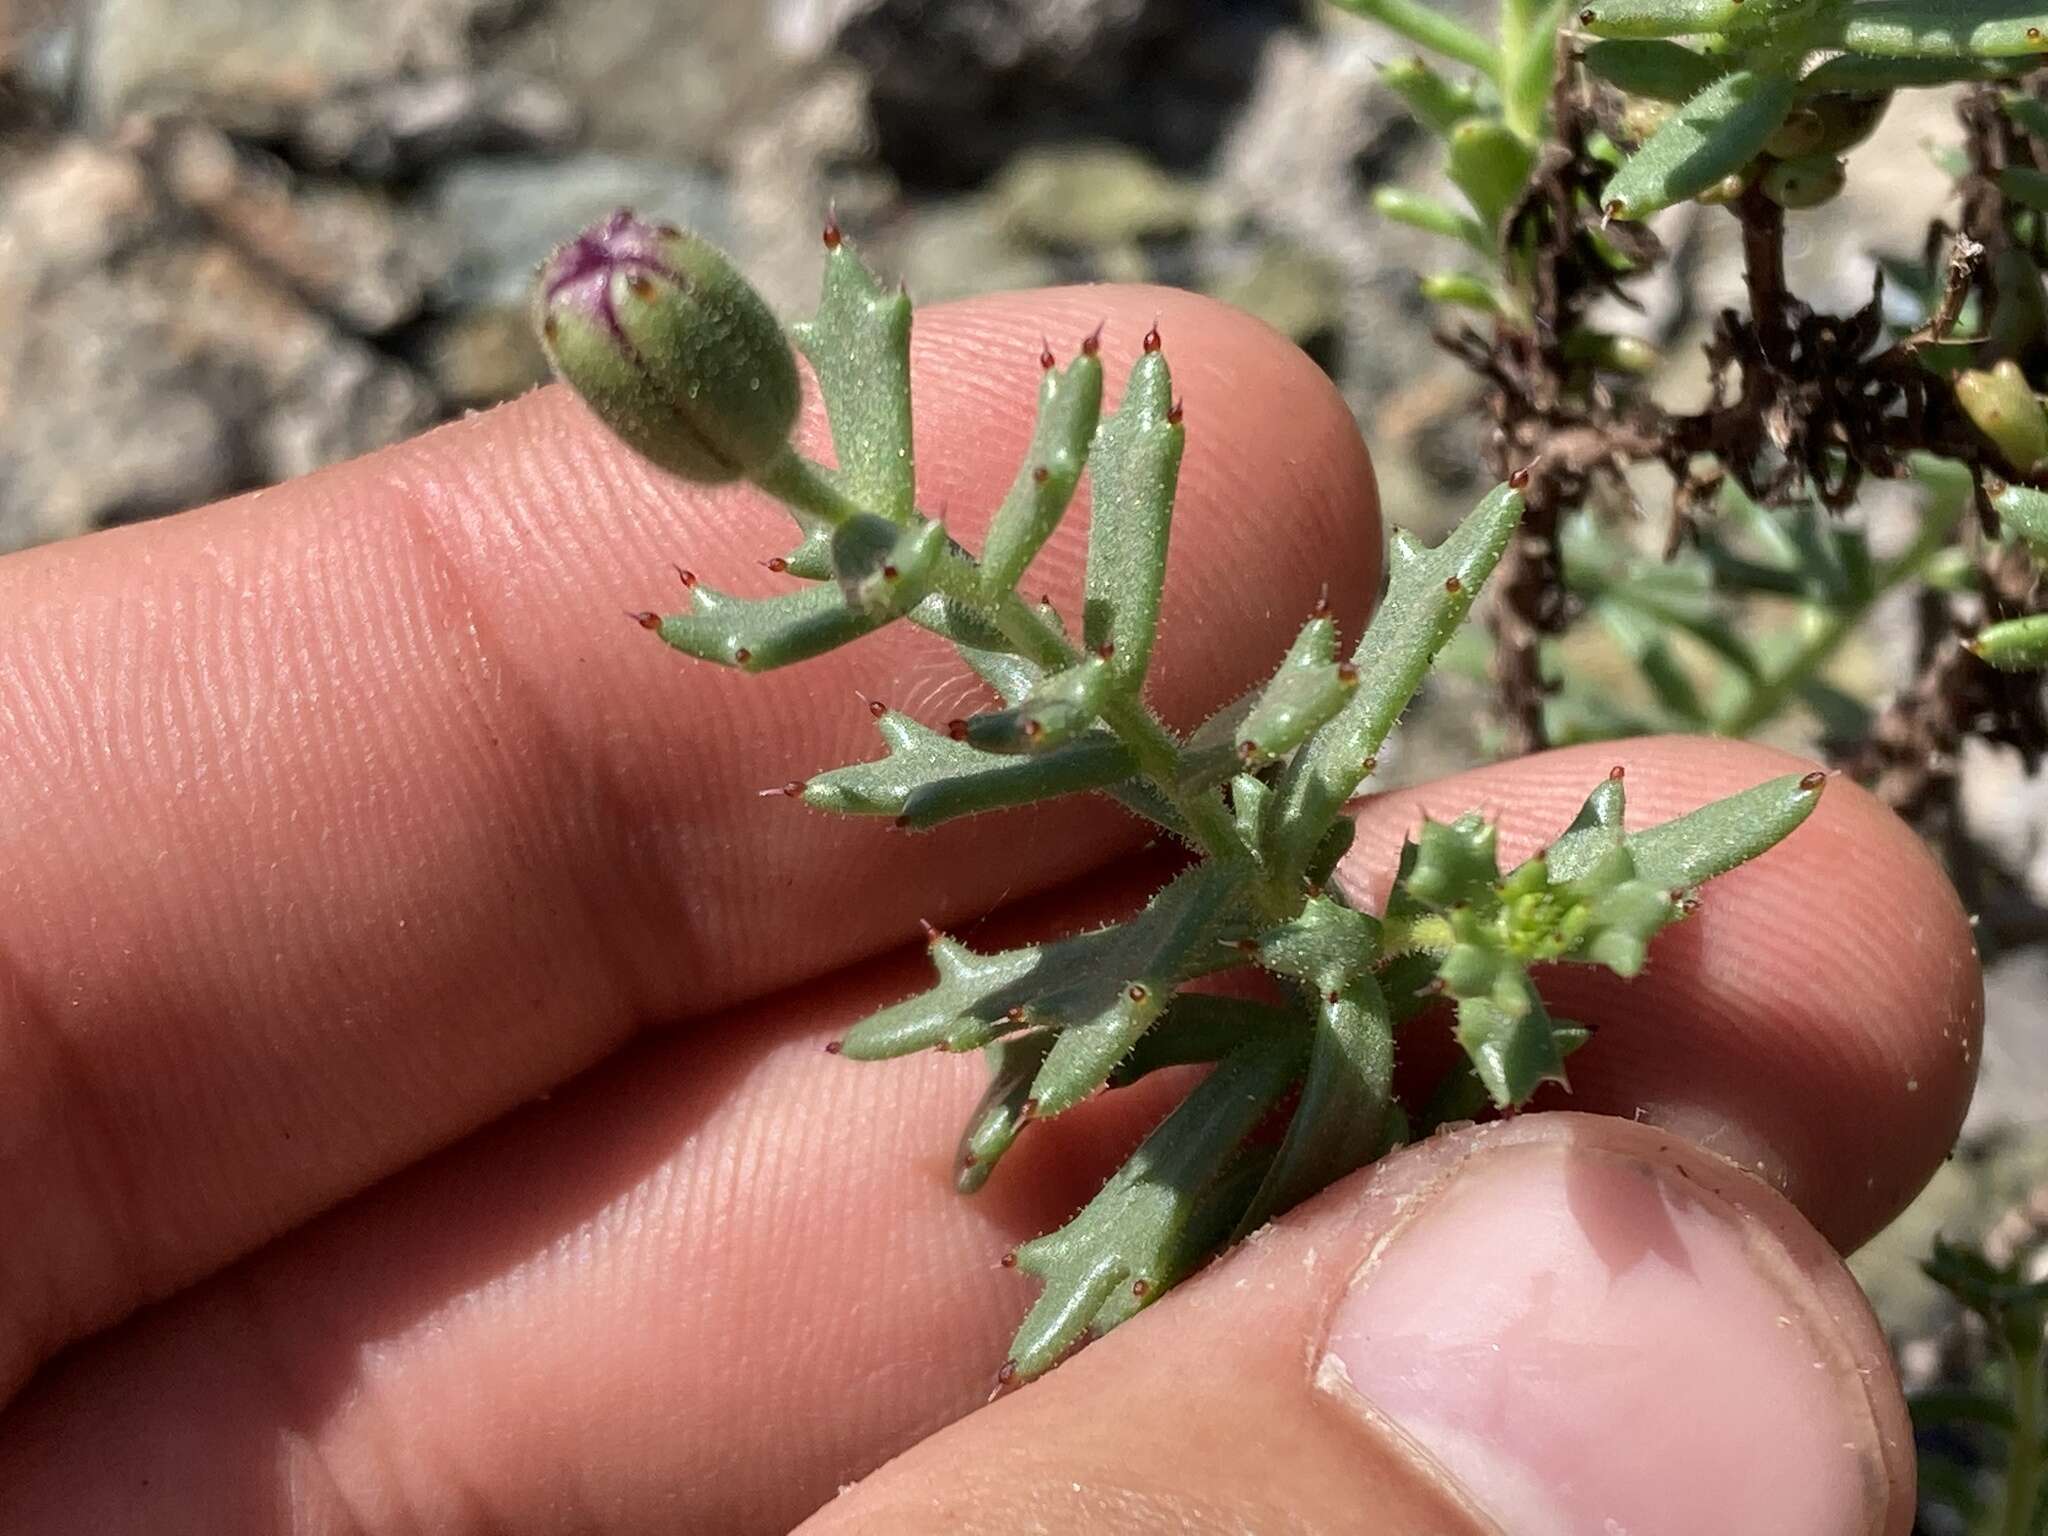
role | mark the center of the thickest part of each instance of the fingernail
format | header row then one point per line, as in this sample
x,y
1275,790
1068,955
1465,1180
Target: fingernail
x,y
1587,1342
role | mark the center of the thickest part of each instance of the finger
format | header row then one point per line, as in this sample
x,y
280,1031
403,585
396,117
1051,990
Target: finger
x,y
1817,1019
736,1262
1565,1324
347,815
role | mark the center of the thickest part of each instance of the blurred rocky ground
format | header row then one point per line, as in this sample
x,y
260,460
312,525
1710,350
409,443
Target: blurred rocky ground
x,y
243,238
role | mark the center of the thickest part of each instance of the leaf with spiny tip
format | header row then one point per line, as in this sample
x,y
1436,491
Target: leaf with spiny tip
x,y
760,634
1428,594
1712,135
859,347
1176,1197
1687,18
1593,833
2013,645
1309,687
1420,211
1080,986
1055,710
1000,1115
1857,73
928,778
1692,849
1346,1115
1069,407
1511,1039
1133,469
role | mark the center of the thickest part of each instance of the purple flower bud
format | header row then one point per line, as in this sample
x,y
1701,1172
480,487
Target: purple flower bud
x,y
670,347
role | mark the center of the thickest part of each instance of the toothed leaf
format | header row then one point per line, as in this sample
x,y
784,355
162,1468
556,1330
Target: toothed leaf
x,y
1069,406
1307,690
761,634
1080,985
2015,645
859,347
1132,470
1057,709
1663,71
928,778
1690,850
1428,594
1172,1202
997,1119
1490,163
1938,29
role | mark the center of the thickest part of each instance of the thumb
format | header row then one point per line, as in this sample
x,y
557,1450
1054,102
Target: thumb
x,y
1556,1325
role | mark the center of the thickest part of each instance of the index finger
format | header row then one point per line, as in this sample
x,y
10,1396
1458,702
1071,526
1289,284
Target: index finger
x,y
342,817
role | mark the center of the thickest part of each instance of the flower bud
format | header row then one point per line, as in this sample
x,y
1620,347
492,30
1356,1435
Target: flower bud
x,y
670,347
2003,406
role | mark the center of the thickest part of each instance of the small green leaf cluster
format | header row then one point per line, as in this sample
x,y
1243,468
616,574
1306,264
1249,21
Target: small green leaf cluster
x,y
1256,795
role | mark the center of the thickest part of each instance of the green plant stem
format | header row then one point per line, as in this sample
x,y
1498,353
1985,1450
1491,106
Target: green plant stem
x,y
1833,625
809,490
2023,1464
1426,25
806,487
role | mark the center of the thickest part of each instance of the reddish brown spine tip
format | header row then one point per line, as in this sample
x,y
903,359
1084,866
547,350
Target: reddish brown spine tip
x,y
931,934
1105,650
1519,480
1177,414
1007,1374
741,656
793,788
2033,34
1028,1110
1370,765
776,564
1092,342
1322,607
1993,486
647,620
1032,730
1246,946
877,708
1332,996
1452,584
1247,750
1009,1260
957,729
968,1159
832,234
890,573
1152,338
1585,18
1815,780
901,823
1040,475
834,1047
1141,1286
1617,773
1613,209
1015,1015
1136,992
687,578
1347,674
1045,358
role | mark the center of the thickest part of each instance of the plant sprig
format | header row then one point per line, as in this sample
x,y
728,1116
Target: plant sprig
x,y
674,351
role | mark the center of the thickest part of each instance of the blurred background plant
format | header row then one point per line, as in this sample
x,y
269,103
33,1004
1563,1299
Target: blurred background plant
x,y
374,179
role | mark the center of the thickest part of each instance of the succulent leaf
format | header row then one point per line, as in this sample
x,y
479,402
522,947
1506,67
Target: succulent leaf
x,y
1178,1196
993,1127
1437,103
1490,163
1428,594
1056,709
1936,29
1133,469
859,347
1653,67
1715,133
1069,409
2014,645
928,778
1307,690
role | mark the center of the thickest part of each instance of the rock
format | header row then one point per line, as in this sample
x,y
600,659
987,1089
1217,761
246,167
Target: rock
x,y
347,250
481,356
956,89
954,247
396,129
147,363
255,65
1092,197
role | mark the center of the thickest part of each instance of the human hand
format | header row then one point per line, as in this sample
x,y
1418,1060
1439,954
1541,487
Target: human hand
x,y
345,820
